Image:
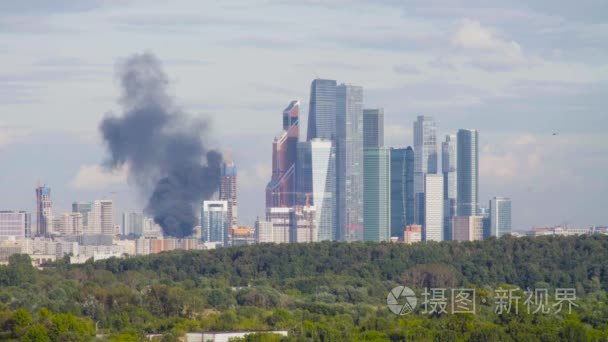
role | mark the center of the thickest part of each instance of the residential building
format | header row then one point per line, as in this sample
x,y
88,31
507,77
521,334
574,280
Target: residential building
x,y
467,228
101,218
13,225
132,223
84,208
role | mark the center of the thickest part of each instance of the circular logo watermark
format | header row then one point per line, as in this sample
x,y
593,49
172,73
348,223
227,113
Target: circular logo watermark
x,y
401,300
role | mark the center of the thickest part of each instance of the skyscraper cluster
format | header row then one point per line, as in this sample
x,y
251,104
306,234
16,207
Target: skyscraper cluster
x,y
359,189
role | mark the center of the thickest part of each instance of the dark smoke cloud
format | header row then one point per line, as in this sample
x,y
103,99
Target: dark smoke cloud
x,y
162,147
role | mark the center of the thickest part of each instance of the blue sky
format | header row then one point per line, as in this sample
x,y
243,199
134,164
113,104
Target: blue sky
x,y
515,70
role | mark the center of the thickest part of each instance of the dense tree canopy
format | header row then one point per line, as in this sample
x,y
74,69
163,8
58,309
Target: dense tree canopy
x,y
326,291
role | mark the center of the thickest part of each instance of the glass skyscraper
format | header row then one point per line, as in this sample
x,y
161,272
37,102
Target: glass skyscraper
x,y
373,127
44,211
425,160
376,194
316,177
349,161
467,172
322,110
228,177
448,166
84,208
280,191
214,222
402,189
500,216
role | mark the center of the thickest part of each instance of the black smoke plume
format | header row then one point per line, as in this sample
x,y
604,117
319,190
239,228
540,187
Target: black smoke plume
x,y
162,147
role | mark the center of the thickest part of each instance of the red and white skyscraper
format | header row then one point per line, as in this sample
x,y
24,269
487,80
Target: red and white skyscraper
x,y
281,190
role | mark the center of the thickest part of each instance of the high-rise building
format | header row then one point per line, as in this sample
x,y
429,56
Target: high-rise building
x,y
322,110
433,208
467,172
84,208
316,180
425,160
500,216
13,224
44,211
214,222
228,191
70,224
402,189
448,166
132,223
373,127
467,228
303,226
281,190
280,225
376,194
349,161
101,218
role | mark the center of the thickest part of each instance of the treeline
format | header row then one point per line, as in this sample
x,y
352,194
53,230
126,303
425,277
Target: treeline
x,y
326,291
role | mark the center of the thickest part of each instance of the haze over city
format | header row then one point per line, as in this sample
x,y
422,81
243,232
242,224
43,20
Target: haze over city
x,y
499,69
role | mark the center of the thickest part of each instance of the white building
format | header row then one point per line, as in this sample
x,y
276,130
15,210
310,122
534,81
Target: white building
x,y
13,224
303,224
101,220
433,208
500,216
225,336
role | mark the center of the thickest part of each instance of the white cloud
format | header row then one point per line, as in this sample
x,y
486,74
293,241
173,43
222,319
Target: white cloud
x,y
489,51
95,177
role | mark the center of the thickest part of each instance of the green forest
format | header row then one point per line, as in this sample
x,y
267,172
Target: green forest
x,y
328,291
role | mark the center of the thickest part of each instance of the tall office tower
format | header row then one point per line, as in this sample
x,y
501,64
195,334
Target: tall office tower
x,y
376,194
280,220
84,208
433,208
228,191
132,223
303,224
44,211
280,191
467,172
101,218
500,216
214,222
448,166
373,127
13,224
322,110
402,189
316,179
467,228
71,224
425,160
349,161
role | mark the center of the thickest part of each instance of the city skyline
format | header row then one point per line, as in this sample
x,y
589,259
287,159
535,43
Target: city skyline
x,y
493,69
